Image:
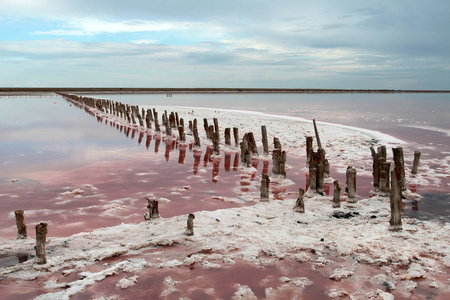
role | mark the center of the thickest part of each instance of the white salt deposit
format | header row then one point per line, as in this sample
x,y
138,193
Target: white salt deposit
x,y
265,232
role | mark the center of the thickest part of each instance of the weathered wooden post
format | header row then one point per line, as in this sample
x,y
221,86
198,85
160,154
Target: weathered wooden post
x,y
399,166
251,142
309,148
41,236
196,138
396,203
216,124
168,128
320,179
181,134
416,162
319,144
153,211
264,140
206,127
20,222
236,136
215,140
337,194
227,136
265,182
312,178
380,153
384,175
211,132
244,148
190,126
190,225
276,143
279,162
157,127
300,204
351,184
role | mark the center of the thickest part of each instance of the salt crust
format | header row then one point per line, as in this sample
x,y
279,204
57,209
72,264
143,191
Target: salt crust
x,y
266,231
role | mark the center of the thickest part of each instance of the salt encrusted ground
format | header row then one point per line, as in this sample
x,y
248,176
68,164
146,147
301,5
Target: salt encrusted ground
x,y
267,232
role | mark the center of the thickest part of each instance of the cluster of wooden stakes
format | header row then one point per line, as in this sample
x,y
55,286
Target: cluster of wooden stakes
x,y
386,182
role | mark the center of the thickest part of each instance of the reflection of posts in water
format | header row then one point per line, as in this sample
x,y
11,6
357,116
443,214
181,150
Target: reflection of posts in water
x,y
127,131
197,156
182,154
133,133
169,147
415,205
236,162
227,161
157,142
148,140
216,167
141,136
208,153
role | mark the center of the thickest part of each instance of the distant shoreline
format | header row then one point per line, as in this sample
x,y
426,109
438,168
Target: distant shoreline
x,y
205,90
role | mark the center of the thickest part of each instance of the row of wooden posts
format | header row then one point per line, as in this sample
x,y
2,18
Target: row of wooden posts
x,y
385,181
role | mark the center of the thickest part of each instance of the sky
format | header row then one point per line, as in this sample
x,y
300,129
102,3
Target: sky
x,y
401,44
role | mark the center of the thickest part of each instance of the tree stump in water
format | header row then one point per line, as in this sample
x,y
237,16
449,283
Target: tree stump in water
x,y
41,236
415,167
300,204
265,182
399,166
376,167
227,136
351,184
190,225
20,223
153,211
264,140
236,136
336,195
396,204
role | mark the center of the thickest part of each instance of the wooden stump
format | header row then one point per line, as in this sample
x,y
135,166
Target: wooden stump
x,y
206,127
384,175
168,128
181,134
300,204
319,144
251,142
190,126
196,138
264,140
157,127
265,182
227,136
396,204
320,179
190,225
399,166
381,153
20,223
279,162
336,195
312,178
236,136
41,236
416,162
211,132
276,143
153,211
216,124
351,184
309,148
215,140
244,149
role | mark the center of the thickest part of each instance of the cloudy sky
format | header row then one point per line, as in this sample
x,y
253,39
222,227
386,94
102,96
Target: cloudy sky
x,y
401,44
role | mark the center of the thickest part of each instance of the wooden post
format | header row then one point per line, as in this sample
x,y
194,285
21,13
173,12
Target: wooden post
x,y
181,133
279,162
227,136
309,148
320,179
264,140
244,148
190,225
211,132
190,126
416,162
265,181
215,140
157,127
276,143
317,134
384,175
251,142
153,211
216,124
41,236
300,204
168,129
399,166
236,136
396,203
337,194
194,124
196,138
20,222
206,127
351,184
381,153
312,178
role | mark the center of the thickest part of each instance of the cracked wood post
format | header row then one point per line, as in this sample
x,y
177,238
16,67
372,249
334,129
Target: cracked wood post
x,y
381,152
319,144
236,136
20,223
153,211
265,182
251,142
190,225
215,140
227,136
384,175
300,204
351,184
416,162
41,236
399,166
309,148
196,138
264,140
396,203
337,194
